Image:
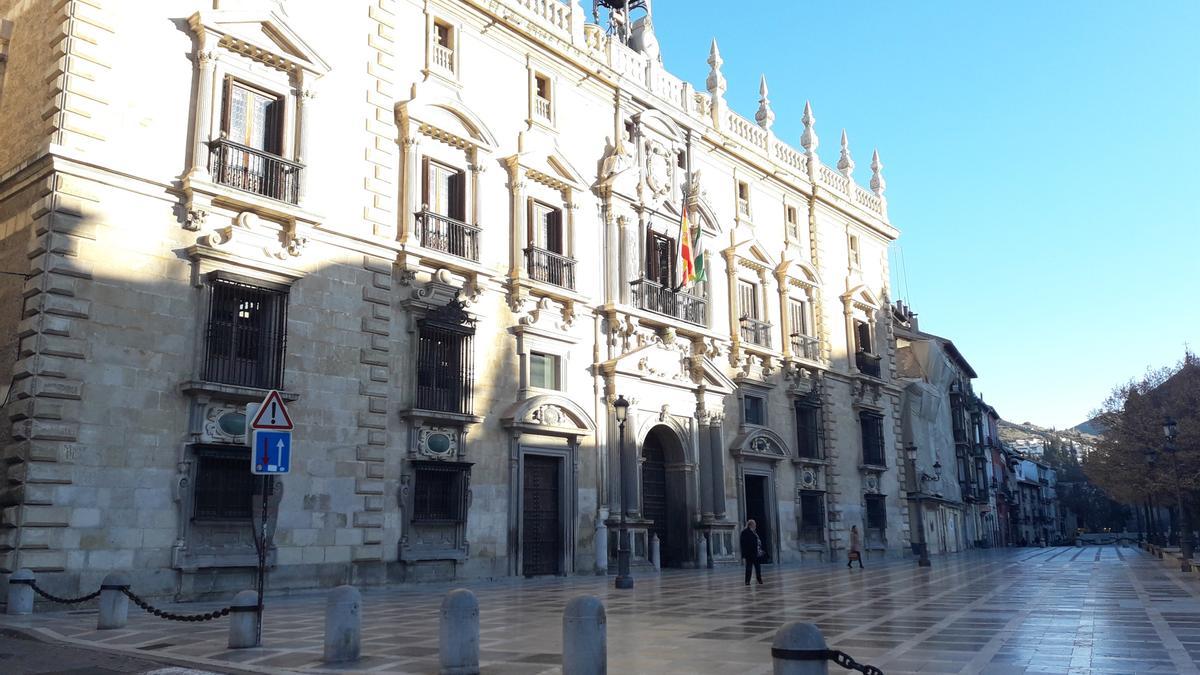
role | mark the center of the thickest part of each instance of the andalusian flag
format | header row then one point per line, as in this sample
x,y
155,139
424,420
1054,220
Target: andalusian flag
x,y
689,261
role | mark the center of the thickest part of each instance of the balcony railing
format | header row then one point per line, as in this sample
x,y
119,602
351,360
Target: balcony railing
x,y
550,267
756,332
542,107
245,168
806,346
655,297
442,233
868,364
443,57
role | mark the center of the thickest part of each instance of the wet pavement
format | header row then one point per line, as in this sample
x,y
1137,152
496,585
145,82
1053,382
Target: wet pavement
x,y
1100,609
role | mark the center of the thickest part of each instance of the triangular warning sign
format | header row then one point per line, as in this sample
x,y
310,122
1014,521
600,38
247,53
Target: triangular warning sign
x,y
272,414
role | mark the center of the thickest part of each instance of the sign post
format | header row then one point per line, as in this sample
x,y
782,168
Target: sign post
x,y
270,454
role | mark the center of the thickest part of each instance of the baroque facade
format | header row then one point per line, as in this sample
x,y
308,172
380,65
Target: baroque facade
x,y
446,231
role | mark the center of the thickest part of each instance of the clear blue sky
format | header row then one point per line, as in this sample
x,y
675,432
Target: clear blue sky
x,y
1042,160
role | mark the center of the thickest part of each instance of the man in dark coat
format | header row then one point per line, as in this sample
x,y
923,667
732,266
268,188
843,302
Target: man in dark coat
x,y
752,551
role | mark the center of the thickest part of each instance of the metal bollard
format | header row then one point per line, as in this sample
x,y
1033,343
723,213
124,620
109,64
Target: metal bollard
x,y
702,558
585,637
792,640
343,625
656,552
20,592
243,620
114,604
458,635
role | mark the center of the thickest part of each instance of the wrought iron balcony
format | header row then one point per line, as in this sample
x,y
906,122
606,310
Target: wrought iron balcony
x,y
868,364
262,173
550,267
806,346
756,332
442,233
652,296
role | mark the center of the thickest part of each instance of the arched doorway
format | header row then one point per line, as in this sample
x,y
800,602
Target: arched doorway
x,y
664,494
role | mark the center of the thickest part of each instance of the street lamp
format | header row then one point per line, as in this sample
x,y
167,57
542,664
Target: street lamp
x,y
919,477
1185,527
624,579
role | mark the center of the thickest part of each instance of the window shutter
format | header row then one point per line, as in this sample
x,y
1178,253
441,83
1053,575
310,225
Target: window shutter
x,y
226,105
425,169
555,234
458,196
652,271
863,336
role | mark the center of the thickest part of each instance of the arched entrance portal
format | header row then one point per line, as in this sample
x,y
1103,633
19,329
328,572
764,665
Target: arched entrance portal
x,y
664,494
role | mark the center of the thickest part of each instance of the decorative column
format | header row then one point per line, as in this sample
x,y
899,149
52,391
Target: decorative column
x,y
717,457
410,191
207,58
784,319
623,260
475,167
304,109
704,455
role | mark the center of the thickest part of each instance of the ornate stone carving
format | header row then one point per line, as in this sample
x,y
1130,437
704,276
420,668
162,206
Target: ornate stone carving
x,y
550,415
808,478
195,220
437,442
761,445
223,423
871,483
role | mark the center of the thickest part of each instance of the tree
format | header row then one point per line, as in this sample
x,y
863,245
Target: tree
x,y
1132,417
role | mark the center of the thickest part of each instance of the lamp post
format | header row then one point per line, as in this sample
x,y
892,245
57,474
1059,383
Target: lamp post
x,y
919,478
1185,526
624,579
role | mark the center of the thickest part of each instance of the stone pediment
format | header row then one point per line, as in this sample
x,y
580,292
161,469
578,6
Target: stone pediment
x,y
262,35
761,443
673,364
549,414
540,158
445,118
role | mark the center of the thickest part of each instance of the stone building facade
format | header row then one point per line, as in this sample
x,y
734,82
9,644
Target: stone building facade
x,y
446,231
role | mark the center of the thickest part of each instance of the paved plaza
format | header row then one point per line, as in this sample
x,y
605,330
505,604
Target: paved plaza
x,y
1052,610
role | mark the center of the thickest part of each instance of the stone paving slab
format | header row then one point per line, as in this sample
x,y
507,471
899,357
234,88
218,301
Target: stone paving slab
x,y
1103,609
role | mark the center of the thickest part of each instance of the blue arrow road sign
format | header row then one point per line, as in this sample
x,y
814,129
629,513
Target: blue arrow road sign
x,y
271,452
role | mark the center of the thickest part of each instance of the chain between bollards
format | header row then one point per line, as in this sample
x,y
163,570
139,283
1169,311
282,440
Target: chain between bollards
x,y
839,657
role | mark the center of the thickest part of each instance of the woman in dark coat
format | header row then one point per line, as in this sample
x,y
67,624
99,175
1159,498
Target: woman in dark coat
x,y
752,551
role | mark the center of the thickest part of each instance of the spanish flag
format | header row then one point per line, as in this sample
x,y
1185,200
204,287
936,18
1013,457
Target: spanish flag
x,y
689,260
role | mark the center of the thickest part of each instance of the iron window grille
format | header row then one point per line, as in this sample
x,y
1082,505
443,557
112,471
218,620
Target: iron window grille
x,y
812,517
439,492
872,439
876,518
224,485
247,332
445,363
753,410
808,431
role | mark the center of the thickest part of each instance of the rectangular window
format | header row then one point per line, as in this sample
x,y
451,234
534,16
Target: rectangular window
x,y
445,190
224,485
862,337
743,197
543,371
444,368
541,98
443,46
876,518
808,426
252,117
872,439
855,257
753,410
246,333
438,493
660,260
546,228
793,222
748,299
812,517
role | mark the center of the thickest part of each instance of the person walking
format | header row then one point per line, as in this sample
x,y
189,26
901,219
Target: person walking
x,y
752,551
855,548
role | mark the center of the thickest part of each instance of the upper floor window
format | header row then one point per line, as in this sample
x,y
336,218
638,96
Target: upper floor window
x,y
248,156
871,426
443,46
660,260
445,360
544,371
808,431
748,299
865,358
445,190
753,410
876,519
546,257
812,517
792,218
743,198
804,345
753,329
855,256
247,328
542,103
